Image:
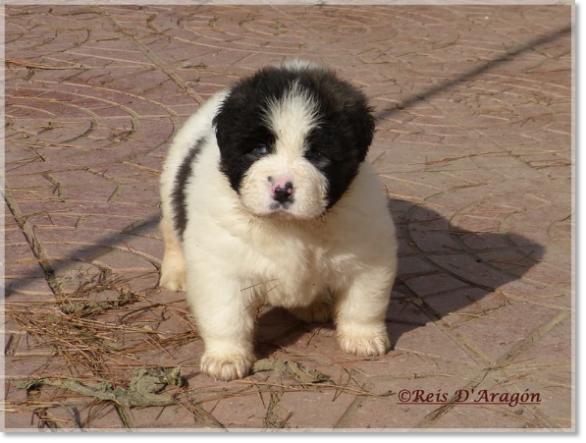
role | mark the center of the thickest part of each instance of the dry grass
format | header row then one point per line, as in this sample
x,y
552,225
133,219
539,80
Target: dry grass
x,y
98,331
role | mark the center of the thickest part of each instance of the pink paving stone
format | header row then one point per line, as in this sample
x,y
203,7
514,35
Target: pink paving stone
x,y
412,267
28,267
406,245
170,416
48,192
176,322
555,399
431,232
103,223
483,221
429,340
472,269
141,282
22,367
306,409
95,417
188,354
549,275
500,330
84,243
21,420
122,262
140,190
12,393
313,342
555,295
404,364
416,190
487,238
404,310
23,290
549,350
431,179
516,261
82,192
29,345
481,417
464,305
246,411
432,284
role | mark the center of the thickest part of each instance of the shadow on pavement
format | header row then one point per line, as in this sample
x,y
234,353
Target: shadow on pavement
x,y
443,269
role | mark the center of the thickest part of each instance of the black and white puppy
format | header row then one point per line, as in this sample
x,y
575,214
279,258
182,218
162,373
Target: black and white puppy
x,y
267,199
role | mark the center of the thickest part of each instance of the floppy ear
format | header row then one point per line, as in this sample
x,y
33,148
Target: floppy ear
x,y
364,127
228,117
359,123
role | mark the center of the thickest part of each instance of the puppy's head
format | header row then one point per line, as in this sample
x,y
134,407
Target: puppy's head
x,y
292,138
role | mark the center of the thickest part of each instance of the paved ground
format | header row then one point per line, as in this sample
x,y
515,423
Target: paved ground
x,y
473,144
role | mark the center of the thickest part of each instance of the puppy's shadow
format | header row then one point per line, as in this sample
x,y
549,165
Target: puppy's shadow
x,y
444,269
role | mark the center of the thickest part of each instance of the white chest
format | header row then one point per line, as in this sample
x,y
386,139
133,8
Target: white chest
x,y
296,272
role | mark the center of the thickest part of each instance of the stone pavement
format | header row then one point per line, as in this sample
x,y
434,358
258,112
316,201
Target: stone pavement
x,y
473,145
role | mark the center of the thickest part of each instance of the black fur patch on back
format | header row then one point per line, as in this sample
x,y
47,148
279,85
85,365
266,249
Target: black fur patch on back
x,y
178,195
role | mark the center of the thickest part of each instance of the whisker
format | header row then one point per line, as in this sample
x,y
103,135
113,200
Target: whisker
x,y
258,284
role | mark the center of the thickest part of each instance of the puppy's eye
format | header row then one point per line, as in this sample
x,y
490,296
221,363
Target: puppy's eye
x,y
314,154
261,150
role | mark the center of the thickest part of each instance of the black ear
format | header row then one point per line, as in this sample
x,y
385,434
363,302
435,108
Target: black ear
x,y
356,122
364,127
239,126
227,115
355,116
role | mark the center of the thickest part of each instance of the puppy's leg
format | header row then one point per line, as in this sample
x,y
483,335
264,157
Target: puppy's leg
x,y
225,319
173,267
360,310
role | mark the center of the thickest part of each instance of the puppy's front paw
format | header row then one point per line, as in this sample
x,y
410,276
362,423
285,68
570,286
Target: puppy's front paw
x,y
173,274
367,344
318,312
173,282
227,367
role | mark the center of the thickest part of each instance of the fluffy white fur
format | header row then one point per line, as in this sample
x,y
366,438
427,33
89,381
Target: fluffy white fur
x,y
232,261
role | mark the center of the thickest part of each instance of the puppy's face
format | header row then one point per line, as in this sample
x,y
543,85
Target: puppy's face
x,y
292,140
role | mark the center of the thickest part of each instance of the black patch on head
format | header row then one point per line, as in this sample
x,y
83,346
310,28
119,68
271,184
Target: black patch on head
x,y
178,195
240,128
336,146
340,142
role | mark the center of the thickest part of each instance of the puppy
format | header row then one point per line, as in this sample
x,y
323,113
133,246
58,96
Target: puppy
x,y
267,199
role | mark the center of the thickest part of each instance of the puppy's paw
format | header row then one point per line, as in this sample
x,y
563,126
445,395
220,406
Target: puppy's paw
x,y
318,312
173,274
367,344
174,281
227,367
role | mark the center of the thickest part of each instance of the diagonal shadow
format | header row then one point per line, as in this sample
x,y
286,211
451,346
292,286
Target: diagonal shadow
x,y
79,254
474,72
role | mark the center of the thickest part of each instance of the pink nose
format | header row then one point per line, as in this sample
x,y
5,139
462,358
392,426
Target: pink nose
x,y
282,190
